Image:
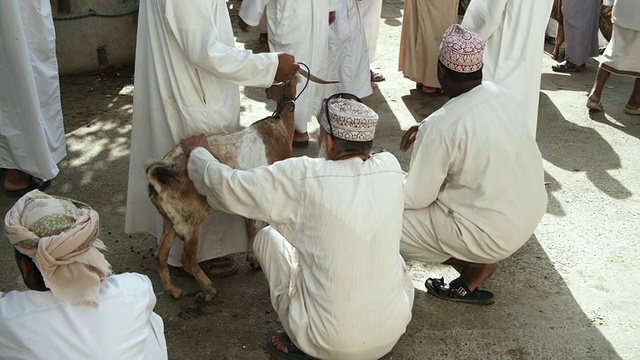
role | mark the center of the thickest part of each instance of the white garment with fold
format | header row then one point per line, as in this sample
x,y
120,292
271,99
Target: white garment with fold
x,y
331,254
483,171
299,28
515,31
348,56
32,135
187,81
371,12
37,325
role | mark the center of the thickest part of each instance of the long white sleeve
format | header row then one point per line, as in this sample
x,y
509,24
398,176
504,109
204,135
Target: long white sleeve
x,y
251,11
267,193
191,22
431,158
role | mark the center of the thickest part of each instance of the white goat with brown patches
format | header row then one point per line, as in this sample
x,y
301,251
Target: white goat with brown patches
x,y
184,210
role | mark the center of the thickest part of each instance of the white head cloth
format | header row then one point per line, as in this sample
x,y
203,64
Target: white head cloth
x,y
60,235
350,120
461,50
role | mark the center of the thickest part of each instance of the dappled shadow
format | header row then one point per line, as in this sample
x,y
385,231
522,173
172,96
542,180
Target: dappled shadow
x,y
579,149
422,105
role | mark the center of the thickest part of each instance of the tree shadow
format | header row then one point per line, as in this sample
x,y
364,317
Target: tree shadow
x,y
579,149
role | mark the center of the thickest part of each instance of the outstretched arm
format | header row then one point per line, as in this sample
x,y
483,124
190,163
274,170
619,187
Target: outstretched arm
x,y
192,24
267,193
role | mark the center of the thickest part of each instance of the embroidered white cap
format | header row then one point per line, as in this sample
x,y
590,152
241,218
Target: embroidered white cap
x,y
461,49
350,120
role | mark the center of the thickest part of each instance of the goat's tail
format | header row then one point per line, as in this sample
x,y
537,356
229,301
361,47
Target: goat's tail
x,y
160,173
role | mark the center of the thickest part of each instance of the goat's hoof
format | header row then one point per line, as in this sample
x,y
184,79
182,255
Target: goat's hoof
x,y
175,293
255,266
202,297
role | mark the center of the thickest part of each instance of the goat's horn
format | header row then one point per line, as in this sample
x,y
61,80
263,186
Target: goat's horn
x,y
314,78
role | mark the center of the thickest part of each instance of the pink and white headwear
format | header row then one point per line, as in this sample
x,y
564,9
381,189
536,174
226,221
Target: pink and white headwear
x,y
350,120
461,50
60,235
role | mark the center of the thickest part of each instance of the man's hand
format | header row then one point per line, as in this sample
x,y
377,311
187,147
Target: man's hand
x,y
193,142
409,138
332,17
287,67
243,25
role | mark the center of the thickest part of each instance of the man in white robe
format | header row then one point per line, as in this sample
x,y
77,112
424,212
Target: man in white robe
x,y
622,55
74,308
515,32
187,81
474,192
32,139
301,28
371,13
331,252
348,55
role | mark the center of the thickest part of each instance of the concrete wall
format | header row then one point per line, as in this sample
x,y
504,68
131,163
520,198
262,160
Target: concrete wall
x,y
90,43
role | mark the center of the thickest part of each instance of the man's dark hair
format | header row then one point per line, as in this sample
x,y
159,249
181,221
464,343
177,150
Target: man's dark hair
x,y
462,77
356,147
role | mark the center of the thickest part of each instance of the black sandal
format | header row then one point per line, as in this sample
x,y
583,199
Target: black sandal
x,y
457,291
567,67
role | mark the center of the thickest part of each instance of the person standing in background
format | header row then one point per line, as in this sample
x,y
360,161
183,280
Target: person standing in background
x,y
187,79
300,28
348,59
514,31
581,20
32,138
423,23
371,13
622,55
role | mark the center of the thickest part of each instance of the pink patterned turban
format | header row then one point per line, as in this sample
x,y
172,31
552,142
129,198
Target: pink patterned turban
x,y
60,235
461,50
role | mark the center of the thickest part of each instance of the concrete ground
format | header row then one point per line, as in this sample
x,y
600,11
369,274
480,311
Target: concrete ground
x,y
570,293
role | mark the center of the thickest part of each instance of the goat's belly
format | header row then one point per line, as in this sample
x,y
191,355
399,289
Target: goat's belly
x,y
251,151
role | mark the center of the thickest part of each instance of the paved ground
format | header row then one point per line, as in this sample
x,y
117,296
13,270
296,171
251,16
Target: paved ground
x,y
570,293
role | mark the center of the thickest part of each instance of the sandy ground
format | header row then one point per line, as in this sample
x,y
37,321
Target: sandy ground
x,y
570,293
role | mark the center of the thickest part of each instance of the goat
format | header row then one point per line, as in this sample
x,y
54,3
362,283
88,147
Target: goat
x,y
184,210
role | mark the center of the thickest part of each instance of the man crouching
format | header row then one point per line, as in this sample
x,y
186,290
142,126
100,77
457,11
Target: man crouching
x,y
331,254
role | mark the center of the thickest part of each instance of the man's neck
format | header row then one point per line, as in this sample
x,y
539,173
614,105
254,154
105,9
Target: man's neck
x,y
349,155
463,88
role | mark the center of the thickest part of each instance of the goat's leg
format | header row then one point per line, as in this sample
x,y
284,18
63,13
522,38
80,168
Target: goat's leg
x,y
251,235
162,255
190,264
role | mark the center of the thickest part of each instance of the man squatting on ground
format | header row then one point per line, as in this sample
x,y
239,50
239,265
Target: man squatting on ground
x,y
74,309
474,192
331,254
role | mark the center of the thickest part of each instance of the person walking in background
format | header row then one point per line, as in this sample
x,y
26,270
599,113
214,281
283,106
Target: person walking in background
x,y
514,31
423,23
581,20
371,13
622,55
32,138
348,59
187,79
301,28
